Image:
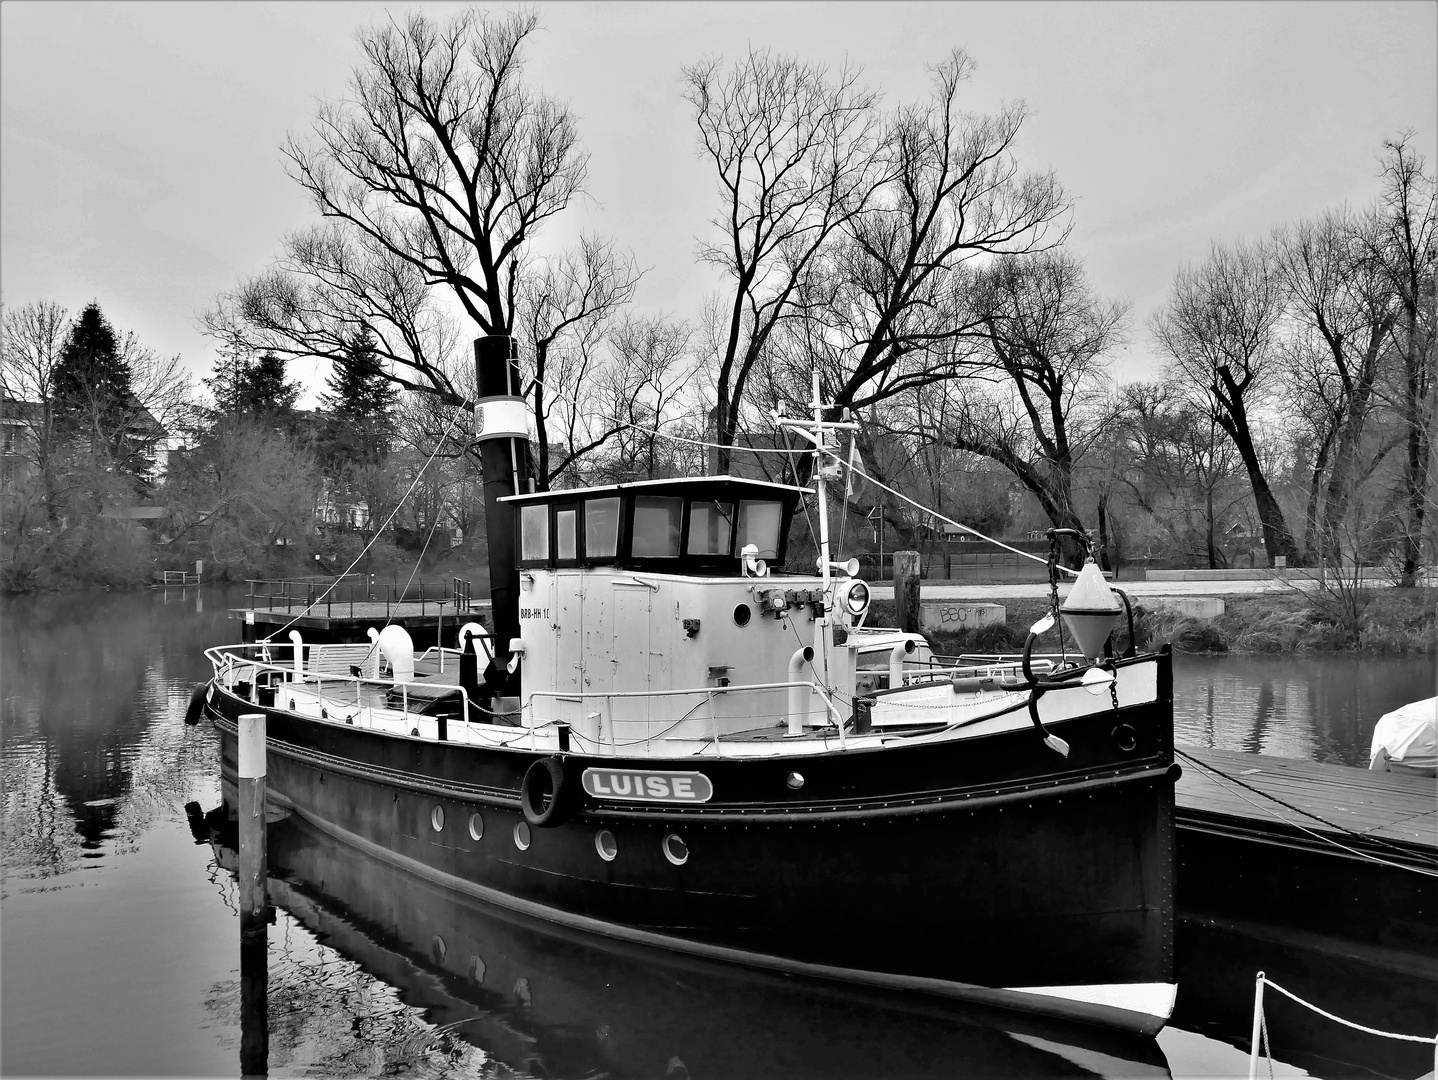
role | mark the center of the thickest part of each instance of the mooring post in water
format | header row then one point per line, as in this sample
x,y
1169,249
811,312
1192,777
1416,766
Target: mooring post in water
x,y
252,820
906,590
254,943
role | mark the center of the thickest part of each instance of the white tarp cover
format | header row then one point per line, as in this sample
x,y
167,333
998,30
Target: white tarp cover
x,y
1407,736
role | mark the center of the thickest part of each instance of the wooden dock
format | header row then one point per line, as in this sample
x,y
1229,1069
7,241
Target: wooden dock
x,y
327,610
1326,849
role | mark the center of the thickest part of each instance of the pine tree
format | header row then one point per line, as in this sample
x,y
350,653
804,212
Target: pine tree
x,y
361,402
254,388
262,389
91,383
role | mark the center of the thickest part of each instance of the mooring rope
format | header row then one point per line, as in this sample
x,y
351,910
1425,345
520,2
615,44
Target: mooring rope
x,y
378,533
1323,821
1431,1040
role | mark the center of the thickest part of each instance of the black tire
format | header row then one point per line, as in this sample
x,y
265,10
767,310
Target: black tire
x,y
196,707
542,795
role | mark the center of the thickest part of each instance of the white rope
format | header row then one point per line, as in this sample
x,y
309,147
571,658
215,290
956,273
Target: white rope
x,y
1432,1040
378,532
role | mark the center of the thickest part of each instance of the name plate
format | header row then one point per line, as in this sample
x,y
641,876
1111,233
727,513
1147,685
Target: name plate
x,y
635,785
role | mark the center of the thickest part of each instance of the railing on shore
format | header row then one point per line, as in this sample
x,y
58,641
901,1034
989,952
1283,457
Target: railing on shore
x,y
356,595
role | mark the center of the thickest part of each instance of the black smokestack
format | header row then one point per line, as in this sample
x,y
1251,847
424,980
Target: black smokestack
x,y
504,456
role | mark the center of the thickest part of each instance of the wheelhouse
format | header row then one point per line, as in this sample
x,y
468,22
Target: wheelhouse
x,y
686,526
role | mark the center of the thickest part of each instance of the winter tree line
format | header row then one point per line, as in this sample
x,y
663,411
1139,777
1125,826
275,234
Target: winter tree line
x,y
899,250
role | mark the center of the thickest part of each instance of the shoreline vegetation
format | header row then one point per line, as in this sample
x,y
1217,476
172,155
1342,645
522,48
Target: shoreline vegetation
x,y
1390,621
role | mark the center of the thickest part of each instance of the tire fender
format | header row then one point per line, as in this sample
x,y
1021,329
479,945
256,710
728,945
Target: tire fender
x,y
544,777
196,708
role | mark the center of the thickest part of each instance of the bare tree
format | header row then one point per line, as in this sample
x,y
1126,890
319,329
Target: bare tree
x,y
793,150
1406,250
564,306
442,157
34,337
1036,405
435,172
1221,331
948,188
1341,310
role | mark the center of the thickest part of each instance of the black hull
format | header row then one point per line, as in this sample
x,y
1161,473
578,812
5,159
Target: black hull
x,y
545,1001
962,869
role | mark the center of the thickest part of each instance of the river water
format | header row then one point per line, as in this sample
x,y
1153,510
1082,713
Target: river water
x,y
119,943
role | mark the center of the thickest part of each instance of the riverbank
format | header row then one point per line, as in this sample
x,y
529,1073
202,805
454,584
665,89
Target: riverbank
x,y
1386,621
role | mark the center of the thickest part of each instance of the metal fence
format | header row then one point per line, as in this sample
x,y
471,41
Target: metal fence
x,y
357,595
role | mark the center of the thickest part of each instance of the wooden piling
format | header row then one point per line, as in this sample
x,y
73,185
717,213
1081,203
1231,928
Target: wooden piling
x,y
254,943
252,820
906,590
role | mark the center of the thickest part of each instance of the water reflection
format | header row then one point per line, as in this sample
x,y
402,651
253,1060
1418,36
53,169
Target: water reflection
x,y
476,989
95,687
1315,708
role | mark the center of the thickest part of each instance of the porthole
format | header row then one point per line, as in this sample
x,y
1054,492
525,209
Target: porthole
x,y
675,850
742,614
795,780
521,836
606,845
436,818
476,827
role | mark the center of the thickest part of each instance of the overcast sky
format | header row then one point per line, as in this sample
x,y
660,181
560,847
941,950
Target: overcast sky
x,y
139,161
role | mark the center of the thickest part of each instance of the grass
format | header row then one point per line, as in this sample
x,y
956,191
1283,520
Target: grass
x,y
1388,622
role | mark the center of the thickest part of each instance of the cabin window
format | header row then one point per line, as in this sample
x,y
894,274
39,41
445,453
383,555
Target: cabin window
x,y
601,528
533,532
565,537
711,528
759,525
656,527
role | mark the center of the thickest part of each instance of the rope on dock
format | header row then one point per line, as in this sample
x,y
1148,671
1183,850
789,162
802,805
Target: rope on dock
x,y
1321,820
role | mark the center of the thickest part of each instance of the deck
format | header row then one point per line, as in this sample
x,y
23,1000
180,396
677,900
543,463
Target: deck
x,y
1396,808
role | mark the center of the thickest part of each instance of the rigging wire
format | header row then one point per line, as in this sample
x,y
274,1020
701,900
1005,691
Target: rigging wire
x,y
787,452
378,532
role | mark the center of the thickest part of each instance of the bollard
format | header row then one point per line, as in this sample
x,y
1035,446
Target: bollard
x,y
254,939
906,591
252,820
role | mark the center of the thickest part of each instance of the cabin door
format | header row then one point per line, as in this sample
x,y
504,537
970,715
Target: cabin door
x,y
629,646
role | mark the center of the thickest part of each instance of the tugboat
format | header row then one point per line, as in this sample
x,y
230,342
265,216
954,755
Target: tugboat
x,y
676,742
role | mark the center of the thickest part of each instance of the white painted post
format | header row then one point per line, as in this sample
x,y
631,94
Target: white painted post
x,y
252,820
1257,1027
299,655
254,944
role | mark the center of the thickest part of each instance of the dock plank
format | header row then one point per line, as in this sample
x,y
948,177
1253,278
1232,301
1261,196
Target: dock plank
x,y
1385,806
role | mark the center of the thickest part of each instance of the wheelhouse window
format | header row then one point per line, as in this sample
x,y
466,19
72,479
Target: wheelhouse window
x,y
566,541
533,533
759,525
711,528
656,527
601,528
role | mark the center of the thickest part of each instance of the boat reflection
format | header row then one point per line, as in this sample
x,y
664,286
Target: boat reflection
x,y
529,999
1380,988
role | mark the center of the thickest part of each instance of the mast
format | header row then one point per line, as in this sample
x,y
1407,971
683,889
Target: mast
x,y
816,431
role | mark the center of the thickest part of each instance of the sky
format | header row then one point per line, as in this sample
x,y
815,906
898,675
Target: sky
x,y
140,164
